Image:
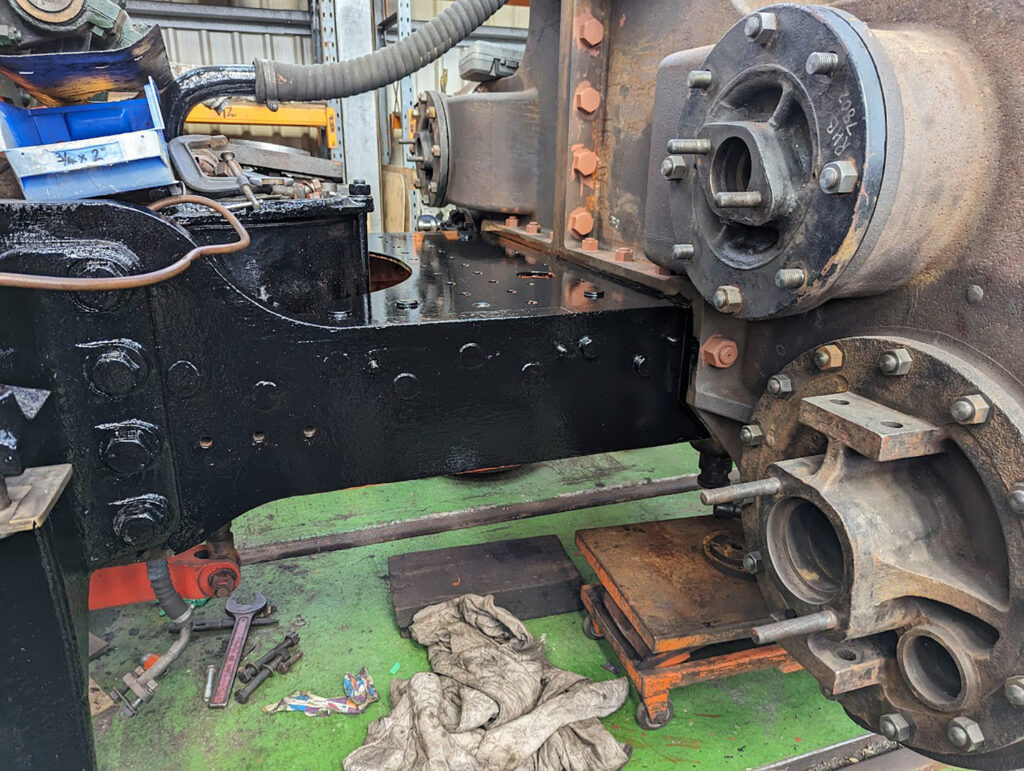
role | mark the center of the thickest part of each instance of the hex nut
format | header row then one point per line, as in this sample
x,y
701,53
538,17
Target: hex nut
x,y
751,435
719,352
828,357
895,362
587,99
589,245
970,410
965,734
761,27
895,727
753,563
589,30
673,167
780,385
533,227
727,299
584,161
623,254
581,222
512,222
1014,690
838,177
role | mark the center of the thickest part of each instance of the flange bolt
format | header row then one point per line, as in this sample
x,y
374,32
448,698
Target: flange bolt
x,y
822,63
699,79
759,27
689,146
682,252
751,435
753,563
673,167
838,177
780,385
1016,498
727,299
964,734
970,410
790,278
895,362
895,727
1014,690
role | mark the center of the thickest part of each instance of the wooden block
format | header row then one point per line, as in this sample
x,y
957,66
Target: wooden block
x,y
531,577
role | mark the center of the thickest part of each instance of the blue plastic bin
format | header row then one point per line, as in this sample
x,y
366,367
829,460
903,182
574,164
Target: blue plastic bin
x,y
86,150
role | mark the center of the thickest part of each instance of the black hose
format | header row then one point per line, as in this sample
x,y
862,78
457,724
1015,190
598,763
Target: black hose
x,y
198,85
177,609
280,82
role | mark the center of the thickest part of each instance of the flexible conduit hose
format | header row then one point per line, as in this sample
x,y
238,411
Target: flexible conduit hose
x,y
277,81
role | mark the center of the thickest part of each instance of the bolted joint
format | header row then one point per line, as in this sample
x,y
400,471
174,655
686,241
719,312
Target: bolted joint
x,y
970,410
584,161
790,278
965,734
751,435
828,357
673,167
822,63
727,299
719,352
838,177
895,727
895,362
753,563
780,385
581,222
587,99
761,27
1013,689
699,79
589,30
139,521
117,371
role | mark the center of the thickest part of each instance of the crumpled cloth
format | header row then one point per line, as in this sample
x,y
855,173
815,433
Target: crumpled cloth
x,y
359,695
492,702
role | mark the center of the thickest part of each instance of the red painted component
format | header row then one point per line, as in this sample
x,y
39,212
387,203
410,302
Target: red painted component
x,y
195,573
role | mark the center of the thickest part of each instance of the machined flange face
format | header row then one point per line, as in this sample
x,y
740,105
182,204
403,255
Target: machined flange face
x,y
899,516
789,157
431,148
50,12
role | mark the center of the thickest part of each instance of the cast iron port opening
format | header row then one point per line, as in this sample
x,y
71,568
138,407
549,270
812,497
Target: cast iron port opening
x,y
805,550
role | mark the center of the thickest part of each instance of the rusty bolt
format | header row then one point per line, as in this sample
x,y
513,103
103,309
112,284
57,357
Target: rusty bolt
x,y
1013,688
895,727
760,27
589,30
751,435
895,362
838,177
589,245
587,99
970,410
584,161
780,385
699,79
673,167
512,222
719,352
727,299
828,357
964,734
431,112
753,563
222,582
533,228
581,222
623,254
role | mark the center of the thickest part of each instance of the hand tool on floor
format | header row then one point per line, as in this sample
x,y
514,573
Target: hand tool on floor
x,y
232,658
218,624
278,658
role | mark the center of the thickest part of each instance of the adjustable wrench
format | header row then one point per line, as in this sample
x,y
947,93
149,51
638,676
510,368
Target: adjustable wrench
x,y
243,620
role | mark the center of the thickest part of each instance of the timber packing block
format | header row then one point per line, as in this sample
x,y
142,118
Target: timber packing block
x,y
531,577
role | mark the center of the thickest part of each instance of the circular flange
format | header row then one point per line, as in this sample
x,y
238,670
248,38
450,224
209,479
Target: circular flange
x,y
50,11
788,164
431,147
928,548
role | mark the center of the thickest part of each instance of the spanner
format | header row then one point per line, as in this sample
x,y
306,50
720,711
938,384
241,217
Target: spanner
x,y
243,620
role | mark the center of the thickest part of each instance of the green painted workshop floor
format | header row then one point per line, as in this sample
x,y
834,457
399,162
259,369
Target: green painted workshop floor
x,y
738,723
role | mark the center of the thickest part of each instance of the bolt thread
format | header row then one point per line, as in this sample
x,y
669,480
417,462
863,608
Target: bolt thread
x,y
767,486
699,79
821,621
689,146
741,200
790,278
822,63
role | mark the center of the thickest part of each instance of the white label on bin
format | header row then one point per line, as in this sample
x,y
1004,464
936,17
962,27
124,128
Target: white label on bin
x,y
109,152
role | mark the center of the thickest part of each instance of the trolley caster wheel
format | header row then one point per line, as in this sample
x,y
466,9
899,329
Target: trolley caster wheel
x,y
644,720
589,630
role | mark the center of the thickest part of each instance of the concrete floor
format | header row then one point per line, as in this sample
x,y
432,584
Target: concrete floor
x,y
738,723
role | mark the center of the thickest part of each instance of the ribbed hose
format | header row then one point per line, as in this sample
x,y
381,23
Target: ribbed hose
x,y
280,82
159,574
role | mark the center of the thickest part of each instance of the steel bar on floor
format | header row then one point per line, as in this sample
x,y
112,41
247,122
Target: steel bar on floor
x,y
472,517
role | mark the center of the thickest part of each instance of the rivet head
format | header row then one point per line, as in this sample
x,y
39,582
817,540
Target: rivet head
x,y
974,294
895,727
753,563
895,362
970,410
751,435
965,734
727,299
780,385
1013,688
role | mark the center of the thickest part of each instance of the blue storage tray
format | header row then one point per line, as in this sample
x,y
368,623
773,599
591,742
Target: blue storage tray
x,y
86,150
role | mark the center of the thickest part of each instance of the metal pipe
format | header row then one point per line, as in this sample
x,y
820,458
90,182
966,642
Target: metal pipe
x,y
821,621
767,486
472,517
